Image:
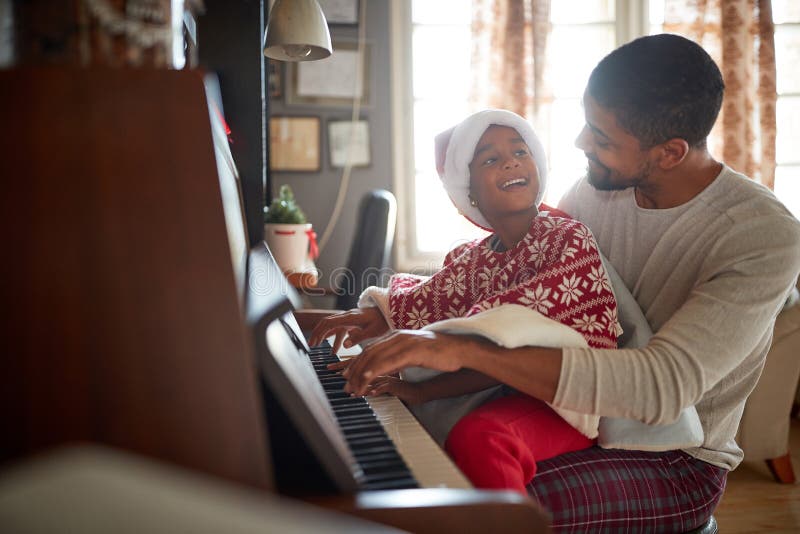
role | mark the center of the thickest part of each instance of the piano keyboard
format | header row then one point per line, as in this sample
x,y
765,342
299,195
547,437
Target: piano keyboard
x,y
425,461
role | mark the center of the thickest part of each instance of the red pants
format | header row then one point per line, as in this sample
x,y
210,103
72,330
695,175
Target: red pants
x,y
497,445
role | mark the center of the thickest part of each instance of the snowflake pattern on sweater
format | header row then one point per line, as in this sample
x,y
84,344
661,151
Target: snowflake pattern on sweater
x,y
555,270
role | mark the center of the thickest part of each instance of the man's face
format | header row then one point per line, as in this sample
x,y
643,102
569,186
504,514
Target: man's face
x,y
503,175
615,159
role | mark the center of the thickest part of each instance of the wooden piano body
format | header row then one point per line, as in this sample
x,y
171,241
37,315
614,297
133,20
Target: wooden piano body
x,y
123,293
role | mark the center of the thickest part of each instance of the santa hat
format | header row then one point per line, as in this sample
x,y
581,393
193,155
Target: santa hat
x,y
455,149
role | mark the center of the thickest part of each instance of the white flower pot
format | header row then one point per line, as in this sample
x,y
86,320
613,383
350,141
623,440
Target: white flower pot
x,y
289,244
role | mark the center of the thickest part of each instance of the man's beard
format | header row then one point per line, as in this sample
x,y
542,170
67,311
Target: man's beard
x,y
604,179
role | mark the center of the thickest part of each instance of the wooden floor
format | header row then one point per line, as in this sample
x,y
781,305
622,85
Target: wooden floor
x,y
755,503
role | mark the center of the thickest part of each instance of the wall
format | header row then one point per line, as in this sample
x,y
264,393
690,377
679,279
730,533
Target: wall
x,y
316,192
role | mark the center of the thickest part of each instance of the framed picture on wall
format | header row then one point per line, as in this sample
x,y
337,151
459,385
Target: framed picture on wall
x,y
274,79
340,11
294,144
331,82
349,143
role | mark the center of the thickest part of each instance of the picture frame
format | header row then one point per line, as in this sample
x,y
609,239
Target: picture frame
x,y
348,140
274,85
330,82
294,143
340,12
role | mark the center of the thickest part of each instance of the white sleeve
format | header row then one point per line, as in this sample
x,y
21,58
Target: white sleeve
x,y
721,332
377,297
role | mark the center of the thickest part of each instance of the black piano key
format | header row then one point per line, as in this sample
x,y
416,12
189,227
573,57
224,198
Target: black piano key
x,y
362,436
328,377
375,449
344,407
366,438
341,411
387,477
354,401
362,428
371,445
334,378
356,417
334,390
383,467
381,459
403,483
387,474
359,426
349,401
377,456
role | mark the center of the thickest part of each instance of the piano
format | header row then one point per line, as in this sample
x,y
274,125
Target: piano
x,y
140,319
351,443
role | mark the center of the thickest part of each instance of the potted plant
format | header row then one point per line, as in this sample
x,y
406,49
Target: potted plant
x,y
287,232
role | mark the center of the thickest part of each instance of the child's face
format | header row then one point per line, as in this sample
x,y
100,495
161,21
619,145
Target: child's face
x,y
503,175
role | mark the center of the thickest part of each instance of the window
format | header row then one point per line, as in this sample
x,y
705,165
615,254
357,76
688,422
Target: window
x,y
431,62
786,14
431,71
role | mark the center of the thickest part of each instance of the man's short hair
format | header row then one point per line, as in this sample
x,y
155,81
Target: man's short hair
x,y
660,87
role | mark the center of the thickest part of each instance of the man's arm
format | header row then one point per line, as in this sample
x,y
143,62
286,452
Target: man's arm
x,y
718,335
535,371
441,386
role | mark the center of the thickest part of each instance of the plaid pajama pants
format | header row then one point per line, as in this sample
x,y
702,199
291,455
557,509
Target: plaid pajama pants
x,y
605,490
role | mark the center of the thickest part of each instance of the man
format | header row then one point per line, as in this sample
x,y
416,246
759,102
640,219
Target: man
x,y
710,257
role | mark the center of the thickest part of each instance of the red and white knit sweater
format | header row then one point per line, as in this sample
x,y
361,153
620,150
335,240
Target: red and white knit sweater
x,y
555,270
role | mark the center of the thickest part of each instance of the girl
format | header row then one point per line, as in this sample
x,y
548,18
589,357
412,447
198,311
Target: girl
x,y
495,173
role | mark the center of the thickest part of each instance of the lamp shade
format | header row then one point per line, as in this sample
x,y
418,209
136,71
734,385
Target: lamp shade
x,y
297,31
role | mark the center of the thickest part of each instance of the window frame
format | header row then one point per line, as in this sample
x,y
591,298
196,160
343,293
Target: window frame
x,y
794,163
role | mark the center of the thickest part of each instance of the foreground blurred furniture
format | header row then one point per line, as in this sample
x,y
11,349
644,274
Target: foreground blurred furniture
x,y
96,490
764,430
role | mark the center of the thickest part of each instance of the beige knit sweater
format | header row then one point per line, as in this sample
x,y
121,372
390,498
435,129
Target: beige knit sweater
x,y
710,277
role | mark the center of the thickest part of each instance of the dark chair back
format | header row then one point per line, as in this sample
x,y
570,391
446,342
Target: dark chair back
x,y
372,246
